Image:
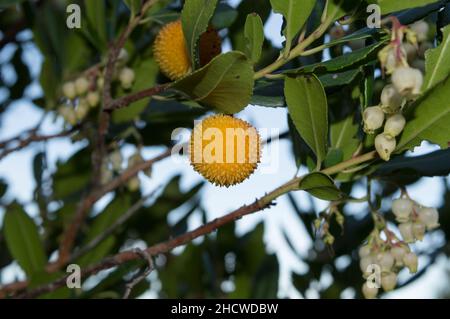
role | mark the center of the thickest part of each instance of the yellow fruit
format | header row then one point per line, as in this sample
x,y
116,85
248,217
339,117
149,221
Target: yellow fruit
x,y
171,53
224,150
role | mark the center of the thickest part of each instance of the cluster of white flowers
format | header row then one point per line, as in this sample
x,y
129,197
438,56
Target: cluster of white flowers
x,y
393,254
84,92
405,86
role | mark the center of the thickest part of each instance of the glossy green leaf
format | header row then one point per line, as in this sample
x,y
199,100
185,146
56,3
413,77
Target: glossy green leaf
x,y
429,119
96,16
307,104
343,136
224,16
388,6
437,62
23,240
225,84
295,12
254,36
195,19
321,186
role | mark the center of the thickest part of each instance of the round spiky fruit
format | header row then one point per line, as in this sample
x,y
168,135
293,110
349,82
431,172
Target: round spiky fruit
x,y
171,53
224,150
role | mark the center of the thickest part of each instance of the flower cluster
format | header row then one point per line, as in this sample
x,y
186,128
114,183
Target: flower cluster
x,y
83,93
402,58
393,254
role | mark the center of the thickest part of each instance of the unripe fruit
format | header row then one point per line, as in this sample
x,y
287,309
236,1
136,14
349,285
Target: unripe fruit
x,y
385,261
388,281
391,100
171,53
429,216
224,150
373,117
394,125
406,230
402,209
69,90
418,230
411,262
421,29
364,251
369,292
407,81
81,85
385,146
126,78
93,98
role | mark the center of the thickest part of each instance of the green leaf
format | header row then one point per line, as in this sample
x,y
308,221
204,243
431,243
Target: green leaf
x,y
334,156
339,8
343,136
224,16
388,6
295,12
321,186
307,104
343,62
432,164
195,18
429,119
96,16
23,240
225,84
437,62
254,37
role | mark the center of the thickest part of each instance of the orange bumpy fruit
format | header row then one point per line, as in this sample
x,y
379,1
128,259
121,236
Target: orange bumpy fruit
x,y
224,150
172,55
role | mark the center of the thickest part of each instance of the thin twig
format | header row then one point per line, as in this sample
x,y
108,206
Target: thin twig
x,y
140,276
119,222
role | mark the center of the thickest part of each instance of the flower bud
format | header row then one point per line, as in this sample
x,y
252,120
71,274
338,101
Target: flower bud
x,y
429,217
93,98
385,261
82,109
410,50
423,47
369,292
388,281
402,209
385,145
406,231
106,174
407,81
100,82
411,262
391,100
364,251
418,230
421,29
398,252
123,55
133,184
81,85
394,125
68,114
365,262
126,77
69,90
116,160
373,117
135,159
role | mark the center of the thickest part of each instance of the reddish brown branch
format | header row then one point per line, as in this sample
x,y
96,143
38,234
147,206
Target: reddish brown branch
x,y
128,99
154,250
32,138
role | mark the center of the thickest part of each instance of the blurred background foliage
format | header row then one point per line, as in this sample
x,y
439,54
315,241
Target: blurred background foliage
x,y
224,263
